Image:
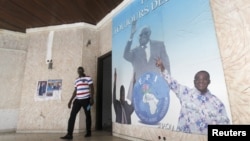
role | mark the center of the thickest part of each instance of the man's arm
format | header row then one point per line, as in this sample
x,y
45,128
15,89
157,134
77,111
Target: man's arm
x,y
127,54
132,101
177,88
221,114
114,89
134,81
133,30
71,99
91,94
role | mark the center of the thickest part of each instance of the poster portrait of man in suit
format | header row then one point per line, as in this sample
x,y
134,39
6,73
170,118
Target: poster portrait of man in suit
x,y
142,57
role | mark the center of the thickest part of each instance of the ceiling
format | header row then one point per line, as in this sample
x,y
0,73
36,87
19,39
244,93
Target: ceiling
x,y
19,15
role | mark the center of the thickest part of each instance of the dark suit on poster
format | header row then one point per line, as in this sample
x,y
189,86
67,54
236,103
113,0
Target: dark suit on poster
x,y
42,88
123,110
138,57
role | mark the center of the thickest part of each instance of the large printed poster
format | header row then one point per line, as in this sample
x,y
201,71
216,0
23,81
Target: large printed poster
x,y
190,92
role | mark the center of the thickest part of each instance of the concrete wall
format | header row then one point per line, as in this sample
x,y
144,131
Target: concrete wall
x,y
22,61
13,50
69,50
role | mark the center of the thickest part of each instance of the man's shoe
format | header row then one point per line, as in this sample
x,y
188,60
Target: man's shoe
x,y
87,135
67,137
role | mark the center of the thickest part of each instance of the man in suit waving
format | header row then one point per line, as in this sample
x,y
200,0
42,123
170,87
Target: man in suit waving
x,y
142,56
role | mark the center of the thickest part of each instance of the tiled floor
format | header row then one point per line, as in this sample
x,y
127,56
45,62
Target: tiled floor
x,y
96,136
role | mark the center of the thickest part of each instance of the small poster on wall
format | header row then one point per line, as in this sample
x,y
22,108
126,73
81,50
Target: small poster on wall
x,y
48,90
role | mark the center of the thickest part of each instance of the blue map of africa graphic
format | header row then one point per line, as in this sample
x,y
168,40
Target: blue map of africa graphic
x,y
151,98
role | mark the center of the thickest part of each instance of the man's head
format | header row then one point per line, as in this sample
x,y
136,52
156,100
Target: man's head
x,y
144,36
201,81
80,71
122,94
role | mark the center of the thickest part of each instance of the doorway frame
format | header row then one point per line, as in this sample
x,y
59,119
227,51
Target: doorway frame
x,y
99,94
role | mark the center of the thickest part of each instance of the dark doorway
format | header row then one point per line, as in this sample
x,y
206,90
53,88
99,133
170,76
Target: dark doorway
x,y
104,93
